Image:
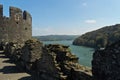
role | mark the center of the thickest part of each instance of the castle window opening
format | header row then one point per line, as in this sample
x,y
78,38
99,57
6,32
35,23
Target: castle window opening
x,y
17,18
17,22
26,28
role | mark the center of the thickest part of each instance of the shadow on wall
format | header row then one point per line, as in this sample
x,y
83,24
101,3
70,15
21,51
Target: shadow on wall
x,y
7,61
26,78
10,70
2,56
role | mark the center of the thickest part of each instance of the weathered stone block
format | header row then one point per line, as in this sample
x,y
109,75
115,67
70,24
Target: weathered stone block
x,y
32,50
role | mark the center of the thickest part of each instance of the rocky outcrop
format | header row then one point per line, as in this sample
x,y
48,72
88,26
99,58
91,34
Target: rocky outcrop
x,y
106,63
49,62
62,53
68,63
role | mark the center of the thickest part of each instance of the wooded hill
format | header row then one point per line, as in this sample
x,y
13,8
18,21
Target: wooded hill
x,y
99,38
56,37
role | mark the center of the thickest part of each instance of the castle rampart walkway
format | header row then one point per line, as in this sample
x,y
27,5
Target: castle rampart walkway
x,y
8,70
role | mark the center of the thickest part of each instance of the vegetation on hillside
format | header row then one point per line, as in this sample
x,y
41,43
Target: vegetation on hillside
x,y
99,38
56,37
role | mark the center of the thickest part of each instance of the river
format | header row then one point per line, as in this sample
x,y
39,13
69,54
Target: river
x,y
84,53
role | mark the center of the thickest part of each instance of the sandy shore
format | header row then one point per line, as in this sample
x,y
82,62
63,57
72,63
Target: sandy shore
x,y
8,70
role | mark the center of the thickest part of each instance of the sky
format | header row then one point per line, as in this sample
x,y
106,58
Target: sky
x,y
67,17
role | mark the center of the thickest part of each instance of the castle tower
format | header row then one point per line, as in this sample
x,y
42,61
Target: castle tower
x,y
17,27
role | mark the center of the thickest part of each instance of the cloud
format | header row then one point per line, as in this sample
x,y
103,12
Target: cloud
x,y
84,4
90,21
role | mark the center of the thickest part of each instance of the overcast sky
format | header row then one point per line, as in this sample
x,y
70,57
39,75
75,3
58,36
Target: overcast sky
x,y
69,17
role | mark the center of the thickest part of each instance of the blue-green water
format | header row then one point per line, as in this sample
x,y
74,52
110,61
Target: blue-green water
x,y
84,53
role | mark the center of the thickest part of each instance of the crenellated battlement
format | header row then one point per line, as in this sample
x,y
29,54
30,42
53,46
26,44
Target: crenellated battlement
x,y
16,13
17,27
1,10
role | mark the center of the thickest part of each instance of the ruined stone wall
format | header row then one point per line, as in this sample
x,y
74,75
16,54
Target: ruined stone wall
x,y
47,62
106,63
17,27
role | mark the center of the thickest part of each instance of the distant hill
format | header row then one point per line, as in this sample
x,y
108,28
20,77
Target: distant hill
x,y
99,38
56,37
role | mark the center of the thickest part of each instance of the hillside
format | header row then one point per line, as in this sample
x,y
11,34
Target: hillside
x,y
99,38
56,37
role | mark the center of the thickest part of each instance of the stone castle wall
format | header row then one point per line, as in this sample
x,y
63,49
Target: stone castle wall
x,y
17,27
